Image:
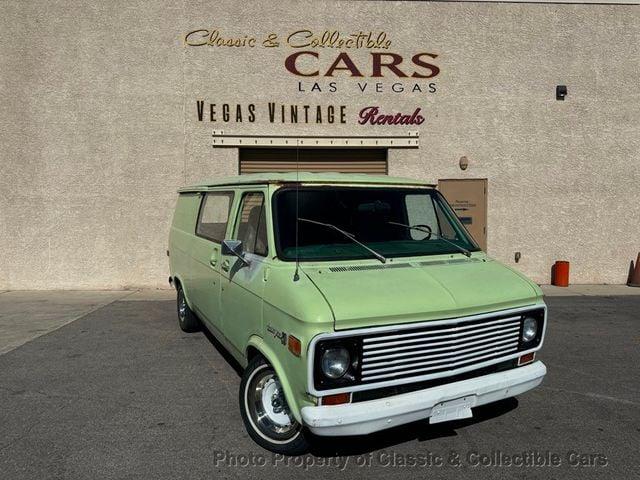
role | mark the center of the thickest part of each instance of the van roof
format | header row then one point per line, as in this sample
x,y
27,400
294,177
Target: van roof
x,y
306,177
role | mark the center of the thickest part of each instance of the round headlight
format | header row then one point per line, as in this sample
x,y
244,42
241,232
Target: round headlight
x,y
335,362
529,329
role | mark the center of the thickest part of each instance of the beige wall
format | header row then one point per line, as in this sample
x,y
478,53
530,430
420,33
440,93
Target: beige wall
x,y
98,124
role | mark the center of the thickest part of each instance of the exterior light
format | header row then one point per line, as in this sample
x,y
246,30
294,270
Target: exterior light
x,y
529,329
294,345
527,358
337,399
335,362
561,92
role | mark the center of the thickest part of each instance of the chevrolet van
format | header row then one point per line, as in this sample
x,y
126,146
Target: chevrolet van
x,y
354,303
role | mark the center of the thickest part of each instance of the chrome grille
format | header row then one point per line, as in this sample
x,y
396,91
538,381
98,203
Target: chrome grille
x,y
435,349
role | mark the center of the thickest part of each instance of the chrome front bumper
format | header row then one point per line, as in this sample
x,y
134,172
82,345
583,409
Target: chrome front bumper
x,y
371,416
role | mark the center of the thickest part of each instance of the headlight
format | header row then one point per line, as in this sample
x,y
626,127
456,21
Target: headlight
x,y
335,362
529,329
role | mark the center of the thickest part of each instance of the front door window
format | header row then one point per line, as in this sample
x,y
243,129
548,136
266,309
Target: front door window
x,y
252,229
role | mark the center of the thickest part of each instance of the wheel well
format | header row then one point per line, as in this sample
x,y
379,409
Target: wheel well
x,y
252,352
176,282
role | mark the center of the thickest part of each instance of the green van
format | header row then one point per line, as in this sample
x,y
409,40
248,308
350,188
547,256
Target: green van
x,y
354,303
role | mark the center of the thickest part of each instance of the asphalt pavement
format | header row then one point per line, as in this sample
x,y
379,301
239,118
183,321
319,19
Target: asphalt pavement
x,y
121,392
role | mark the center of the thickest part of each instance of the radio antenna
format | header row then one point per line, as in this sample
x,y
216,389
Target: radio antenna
x,y
296,275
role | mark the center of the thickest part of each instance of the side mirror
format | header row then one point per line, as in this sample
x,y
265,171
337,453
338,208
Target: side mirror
x,y
234,247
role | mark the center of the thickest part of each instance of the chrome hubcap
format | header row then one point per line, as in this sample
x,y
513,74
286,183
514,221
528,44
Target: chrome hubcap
x,y
272,403
268,407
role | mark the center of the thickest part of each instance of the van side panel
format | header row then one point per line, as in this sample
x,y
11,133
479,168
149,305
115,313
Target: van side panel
x,y
181,237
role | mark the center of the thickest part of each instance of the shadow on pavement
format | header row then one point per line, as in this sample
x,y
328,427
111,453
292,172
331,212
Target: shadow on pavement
x,y
421,431
223,351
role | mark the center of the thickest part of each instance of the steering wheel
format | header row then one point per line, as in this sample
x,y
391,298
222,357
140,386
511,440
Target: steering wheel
x,y
426,229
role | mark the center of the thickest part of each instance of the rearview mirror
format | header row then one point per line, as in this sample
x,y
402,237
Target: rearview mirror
x,y
234,247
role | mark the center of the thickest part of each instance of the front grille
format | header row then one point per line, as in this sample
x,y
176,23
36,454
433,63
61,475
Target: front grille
x,y
435,349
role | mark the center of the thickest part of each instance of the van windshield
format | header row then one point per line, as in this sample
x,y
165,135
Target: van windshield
x,y
375,216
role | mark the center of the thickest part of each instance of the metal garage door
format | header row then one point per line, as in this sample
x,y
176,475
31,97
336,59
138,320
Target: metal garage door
x,y
366,160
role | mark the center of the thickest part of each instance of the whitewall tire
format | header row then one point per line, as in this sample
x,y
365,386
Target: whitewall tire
x,y
265,411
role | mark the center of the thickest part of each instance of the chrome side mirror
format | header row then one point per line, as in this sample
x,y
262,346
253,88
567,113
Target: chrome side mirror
x,y
234,247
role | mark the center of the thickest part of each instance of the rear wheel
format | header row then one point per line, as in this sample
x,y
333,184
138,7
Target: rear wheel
x,y
265,411
186,318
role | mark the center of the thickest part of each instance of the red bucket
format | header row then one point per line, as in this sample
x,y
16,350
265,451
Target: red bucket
x,y
560,274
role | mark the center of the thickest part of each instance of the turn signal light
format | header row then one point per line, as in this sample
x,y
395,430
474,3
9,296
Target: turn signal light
x,y
294,345
528,358
337,399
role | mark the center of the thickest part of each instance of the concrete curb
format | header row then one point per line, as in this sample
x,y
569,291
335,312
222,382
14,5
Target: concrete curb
x,y
589,290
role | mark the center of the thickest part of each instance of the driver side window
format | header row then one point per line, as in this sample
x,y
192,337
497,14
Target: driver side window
x,y
252,228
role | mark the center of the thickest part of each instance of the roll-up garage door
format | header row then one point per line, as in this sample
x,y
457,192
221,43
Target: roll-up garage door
x,y
366,160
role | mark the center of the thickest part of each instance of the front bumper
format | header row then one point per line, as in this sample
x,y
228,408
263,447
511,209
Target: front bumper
x,y
371,416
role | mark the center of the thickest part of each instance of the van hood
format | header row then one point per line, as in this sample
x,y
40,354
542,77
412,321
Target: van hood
x,y
365,295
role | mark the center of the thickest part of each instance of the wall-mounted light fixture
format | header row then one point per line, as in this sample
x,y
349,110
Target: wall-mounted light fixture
x,y
464,163
561,92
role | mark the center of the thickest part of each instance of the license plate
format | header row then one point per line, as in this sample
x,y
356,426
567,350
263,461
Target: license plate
x,y
453,409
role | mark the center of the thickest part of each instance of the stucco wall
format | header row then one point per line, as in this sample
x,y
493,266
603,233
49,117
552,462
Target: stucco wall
x,y
98,124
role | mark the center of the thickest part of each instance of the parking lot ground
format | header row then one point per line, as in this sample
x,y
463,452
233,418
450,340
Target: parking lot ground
x,y
121,392
25,315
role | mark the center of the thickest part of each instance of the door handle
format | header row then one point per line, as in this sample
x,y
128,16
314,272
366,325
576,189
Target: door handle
x,y
226,265
213,259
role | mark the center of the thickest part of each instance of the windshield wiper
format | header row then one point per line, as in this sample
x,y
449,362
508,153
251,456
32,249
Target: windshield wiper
x,y
350,236
462,250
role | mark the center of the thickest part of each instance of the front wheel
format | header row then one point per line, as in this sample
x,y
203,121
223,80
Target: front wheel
x,y
265,411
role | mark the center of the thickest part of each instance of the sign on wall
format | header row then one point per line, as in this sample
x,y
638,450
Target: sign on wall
x,y
361,63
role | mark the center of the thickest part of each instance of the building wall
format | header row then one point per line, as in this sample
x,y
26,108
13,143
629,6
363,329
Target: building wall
x,y
99,126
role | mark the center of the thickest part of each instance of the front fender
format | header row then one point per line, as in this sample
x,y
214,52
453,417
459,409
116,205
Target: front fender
x,y
271,357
